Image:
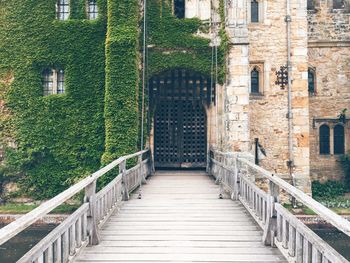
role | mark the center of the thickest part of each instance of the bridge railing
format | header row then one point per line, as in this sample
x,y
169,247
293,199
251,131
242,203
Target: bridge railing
x,y
298,243
81,228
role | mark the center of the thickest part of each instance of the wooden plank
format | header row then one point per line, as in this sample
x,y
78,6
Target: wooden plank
x,y
182,257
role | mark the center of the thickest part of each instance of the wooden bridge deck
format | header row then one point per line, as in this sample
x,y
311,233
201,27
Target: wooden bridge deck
x,y
181,219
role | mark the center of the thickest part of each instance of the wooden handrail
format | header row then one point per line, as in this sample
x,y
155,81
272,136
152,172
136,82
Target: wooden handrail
x,y
336,220
26,220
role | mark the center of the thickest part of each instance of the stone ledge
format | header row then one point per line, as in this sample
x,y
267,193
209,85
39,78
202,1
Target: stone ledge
x,y
345,43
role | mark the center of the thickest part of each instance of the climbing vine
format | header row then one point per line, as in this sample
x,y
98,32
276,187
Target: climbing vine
x,y
61,138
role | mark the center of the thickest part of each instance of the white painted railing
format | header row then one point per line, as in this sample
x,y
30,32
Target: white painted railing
x,y
81,228
295,240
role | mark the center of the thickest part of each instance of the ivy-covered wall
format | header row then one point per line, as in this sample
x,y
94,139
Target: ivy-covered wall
x,y
61,138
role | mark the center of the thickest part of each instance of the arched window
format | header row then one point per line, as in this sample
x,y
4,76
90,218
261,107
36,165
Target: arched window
x,y
179,8
255,79
338,4
63,9
339,139
254,11
311,81
324,139
92,9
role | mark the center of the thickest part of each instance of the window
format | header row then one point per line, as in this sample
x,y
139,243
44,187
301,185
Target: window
x,y
179,8
339,139
48,81
53,81
324,139
310,4
254,11
255,80
311,81
338,4
92,9
62,9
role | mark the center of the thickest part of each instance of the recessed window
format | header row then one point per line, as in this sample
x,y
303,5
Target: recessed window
x,y
92,9
338,4
310,5
62,9
339,139
255,80
53,81
254,11
324,139
311,81
179,8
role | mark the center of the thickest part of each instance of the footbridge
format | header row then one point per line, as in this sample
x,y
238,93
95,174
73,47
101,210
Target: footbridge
x,y
233,212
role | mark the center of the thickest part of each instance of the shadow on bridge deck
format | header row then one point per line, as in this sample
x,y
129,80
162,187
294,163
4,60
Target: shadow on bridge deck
x,y
181,219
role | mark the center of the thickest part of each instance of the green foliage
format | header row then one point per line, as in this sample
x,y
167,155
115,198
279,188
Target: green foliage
x,y
122,79
346,167
62,138
12,208
58,137
329,189
174,43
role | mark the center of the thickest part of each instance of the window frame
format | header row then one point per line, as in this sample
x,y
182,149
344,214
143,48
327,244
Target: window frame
x,y
335,149
256,70
57,81
259,66
184,9
312,71
62,14
257,4
92,15
320,141
337,7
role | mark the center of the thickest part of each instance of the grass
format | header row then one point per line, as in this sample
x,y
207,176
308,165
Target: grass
x,y
23,209
308,211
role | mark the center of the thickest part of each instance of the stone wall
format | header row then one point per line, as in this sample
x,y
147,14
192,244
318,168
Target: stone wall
x,y
329,55
268,109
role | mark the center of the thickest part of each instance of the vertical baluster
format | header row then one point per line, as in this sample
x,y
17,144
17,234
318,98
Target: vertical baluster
x,y
263,211
325,260
72,243
90,197
122,167
40,259
48,254
292,240
299,247
306,251
78,232
316,255
285,232
84,224
58,250
279,227
65,247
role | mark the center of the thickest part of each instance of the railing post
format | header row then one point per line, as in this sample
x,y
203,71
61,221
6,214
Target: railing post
x,y
271,222
236,179
90,197
122,170
143,177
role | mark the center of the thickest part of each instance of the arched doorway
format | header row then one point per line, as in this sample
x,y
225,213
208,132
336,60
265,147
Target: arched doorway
x,y
179,98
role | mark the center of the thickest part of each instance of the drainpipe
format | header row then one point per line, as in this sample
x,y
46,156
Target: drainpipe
x,y
288,21
290,163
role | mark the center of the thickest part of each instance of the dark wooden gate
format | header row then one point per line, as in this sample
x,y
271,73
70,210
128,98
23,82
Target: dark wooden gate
x,y
180,136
